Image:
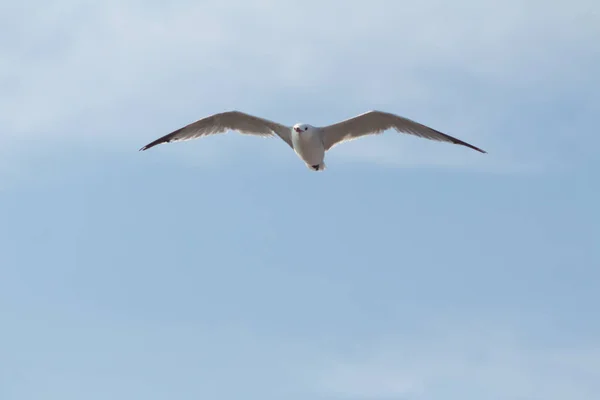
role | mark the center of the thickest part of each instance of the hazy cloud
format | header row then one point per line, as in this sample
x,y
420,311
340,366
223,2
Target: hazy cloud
x,y
470,362
132,69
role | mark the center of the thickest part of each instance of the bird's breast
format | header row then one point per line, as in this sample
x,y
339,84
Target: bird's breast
x,y
309,146
306,139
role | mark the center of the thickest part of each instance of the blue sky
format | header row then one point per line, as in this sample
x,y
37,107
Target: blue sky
x,y
223,268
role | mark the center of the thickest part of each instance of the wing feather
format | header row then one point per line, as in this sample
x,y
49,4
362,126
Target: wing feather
x,y
223,122
376,122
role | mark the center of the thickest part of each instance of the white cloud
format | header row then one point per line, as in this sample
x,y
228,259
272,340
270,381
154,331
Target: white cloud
x,y
467,363
132,69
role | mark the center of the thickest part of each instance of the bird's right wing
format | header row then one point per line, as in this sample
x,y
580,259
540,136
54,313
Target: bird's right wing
x,y
226,121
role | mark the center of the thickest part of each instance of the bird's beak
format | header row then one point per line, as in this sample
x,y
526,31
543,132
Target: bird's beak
x,y
297,129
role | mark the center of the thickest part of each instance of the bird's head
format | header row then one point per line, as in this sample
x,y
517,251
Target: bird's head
x,y
300,128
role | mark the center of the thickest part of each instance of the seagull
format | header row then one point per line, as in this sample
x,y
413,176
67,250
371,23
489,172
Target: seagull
x,y
309,142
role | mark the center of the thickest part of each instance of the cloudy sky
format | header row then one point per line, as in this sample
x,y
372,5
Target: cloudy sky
x,y
223,268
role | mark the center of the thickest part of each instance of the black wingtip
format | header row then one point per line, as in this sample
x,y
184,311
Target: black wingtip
x,y
459,142
156,142
165,139
471,146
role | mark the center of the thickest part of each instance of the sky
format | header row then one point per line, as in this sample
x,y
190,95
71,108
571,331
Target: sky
x,y
223,268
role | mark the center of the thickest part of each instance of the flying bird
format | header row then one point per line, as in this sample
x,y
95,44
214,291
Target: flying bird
x,y
309,142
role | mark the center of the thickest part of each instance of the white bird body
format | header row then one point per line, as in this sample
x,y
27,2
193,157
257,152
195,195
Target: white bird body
x,y
309,143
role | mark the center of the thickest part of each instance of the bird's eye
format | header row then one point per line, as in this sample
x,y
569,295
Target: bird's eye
x,y
305,129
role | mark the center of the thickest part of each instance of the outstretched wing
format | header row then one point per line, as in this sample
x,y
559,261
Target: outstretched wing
x,y
375,122
226,121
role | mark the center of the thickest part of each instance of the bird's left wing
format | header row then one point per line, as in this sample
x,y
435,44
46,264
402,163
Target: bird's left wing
x,y
226,121
374,122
